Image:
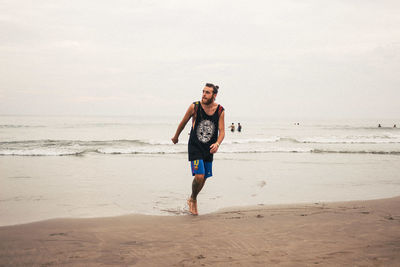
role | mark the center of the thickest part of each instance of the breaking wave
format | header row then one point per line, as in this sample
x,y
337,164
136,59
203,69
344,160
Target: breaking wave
x,y
266,145
12,126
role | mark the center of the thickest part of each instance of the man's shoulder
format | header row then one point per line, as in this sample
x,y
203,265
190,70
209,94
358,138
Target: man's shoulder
x,y
220,109
195,105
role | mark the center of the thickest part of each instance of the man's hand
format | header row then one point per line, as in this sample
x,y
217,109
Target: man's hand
x,y
214,148
174,140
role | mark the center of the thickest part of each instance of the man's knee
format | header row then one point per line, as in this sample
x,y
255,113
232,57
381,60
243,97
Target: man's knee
x,y
199,177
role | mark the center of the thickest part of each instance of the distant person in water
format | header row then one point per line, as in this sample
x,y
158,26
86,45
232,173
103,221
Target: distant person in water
x,y
232,127
239,127
206,135
379,125
394,126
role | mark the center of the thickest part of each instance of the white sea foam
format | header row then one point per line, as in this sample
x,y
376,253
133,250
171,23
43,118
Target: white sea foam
x,y
271,139
351,140
265,150
40,152
182,150
141,150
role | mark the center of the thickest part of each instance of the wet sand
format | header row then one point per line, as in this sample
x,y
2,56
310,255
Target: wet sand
x,y
360,233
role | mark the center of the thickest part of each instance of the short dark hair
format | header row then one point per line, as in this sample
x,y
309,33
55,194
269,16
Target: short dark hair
x,y
214,87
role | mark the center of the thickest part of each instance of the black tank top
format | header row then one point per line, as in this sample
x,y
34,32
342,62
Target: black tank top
x,y
203,134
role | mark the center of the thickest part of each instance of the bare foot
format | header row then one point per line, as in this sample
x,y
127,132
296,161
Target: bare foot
x,y
195,208
192,206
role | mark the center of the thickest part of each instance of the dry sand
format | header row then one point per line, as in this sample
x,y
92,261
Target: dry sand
x,y
362,233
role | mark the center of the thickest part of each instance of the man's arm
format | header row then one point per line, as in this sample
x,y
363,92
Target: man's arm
x,y
221,128
181,126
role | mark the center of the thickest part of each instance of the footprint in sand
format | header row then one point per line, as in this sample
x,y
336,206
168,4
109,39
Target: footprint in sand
x,y
261,184
60,234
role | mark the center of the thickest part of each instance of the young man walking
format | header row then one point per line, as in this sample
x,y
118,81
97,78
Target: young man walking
x,y
206,135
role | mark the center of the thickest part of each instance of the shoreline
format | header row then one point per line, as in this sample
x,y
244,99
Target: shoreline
x,y
185,211
327,233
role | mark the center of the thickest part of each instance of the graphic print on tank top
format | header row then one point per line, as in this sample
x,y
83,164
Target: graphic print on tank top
x,y
205,131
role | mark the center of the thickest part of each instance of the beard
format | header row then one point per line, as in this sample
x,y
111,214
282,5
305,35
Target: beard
x,y
207,101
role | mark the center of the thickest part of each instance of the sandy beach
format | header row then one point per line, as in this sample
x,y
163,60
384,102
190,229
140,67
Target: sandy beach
x,y
357,233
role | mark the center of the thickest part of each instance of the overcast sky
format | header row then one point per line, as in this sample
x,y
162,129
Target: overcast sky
x,y
316,58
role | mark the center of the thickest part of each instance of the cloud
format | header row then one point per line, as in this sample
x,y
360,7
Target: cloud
x,y
97,99
159,54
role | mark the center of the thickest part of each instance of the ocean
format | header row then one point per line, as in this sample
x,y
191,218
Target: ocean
x,y
60,166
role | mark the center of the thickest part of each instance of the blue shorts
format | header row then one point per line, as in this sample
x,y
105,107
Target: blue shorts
x,y
201,167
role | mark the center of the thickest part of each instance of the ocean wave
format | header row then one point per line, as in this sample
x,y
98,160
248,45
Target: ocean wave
x,y
159,142
132,151
355,152
265,150
309,140
40,152
352,127
272,139
50,142
142,150
12,126
273,144
353,140
381,139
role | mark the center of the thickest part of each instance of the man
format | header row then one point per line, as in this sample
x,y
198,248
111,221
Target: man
x,y
232,127
206,135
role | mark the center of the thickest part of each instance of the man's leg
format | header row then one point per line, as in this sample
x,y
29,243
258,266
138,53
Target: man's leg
x,y
199,173
197,185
